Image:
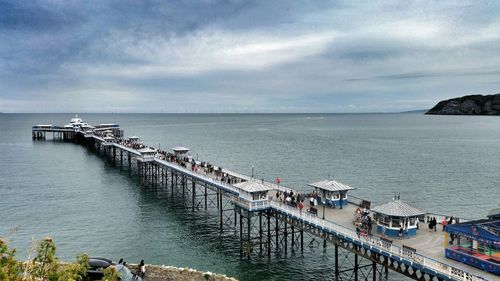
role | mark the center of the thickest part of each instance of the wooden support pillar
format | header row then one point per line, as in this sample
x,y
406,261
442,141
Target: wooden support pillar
x,y
374,271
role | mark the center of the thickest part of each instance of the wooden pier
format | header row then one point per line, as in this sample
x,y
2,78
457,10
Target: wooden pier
x,y
264,225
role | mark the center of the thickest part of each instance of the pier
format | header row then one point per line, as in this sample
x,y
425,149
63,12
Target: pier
x,y
264,225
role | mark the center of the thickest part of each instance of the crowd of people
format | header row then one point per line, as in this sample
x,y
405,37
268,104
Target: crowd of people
x,y
363,222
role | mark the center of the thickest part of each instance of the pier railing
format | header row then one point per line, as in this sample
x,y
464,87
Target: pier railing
x,y
205,178
377,243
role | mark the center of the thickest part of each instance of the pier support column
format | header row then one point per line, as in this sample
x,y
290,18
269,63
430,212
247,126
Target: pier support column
x,y
337,272
129,159
268,234
219,199
293,239
205,196
356,264
277,228
260,233
241,229
285,233
374,271
193,193
302,241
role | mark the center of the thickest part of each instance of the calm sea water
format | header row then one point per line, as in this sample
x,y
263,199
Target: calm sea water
x,y
438,163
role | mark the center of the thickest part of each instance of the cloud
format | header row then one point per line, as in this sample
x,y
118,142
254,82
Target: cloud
x,y
219,56
201,52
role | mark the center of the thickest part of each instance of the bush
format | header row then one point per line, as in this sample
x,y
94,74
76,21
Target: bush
x,y
44,266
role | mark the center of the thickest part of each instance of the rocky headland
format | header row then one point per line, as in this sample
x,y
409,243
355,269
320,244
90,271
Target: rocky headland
x,y
468,105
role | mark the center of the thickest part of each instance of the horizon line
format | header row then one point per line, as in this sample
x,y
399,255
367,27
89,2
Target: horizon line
x,y
249,113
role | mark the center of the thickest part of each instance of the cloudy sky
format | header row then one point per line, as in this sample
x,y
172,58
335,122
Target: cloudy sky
x,y
245,56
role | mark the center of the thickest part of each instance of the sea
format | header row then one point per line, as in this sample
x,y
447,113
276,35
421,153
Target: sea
x,y
442,164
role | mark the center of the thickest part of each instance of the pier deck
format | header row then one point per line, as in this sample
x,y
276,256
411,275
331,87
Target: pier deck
x,y
426,263
428,243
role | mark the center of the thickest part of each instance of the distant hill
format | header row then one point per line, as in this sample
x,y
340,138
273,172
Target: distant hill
x,y
468,105
415,111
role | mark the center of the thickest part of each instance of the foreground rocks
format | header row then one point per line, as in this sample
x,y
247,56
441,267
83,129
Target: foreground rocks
x,y
170,273
468,105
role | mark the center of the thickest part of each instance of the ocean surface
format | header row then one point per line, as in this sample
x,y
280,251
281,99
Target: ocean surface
x,y
442,164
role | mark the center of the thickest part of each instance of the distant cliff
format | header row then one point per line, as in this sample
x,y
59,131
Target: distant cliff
x,y
468,105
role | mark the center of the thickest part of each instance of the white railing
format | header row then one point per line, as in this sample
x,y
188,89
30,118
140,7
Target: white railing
x,y
371,241
200,176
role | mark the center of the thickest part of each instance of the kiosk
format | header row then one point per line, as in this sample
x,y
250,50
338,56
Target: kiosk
x,y
182,153
393,216
147,154
476,243
332,193
134,139
255,192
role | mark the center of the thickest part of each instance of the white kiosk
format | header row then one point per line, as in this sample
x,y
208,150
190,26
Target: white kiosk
x,y
147,154
332,193
393,216
255,192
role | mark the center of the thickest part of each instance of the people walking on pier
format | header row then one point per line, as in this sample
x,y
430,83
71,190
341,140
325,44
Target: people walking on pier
x,y
358,232
400,232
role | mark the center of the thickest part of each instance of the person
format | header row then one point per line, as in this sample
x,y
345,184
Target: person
x,y
434,220
141,269
120,261
444,223
400,231
358,231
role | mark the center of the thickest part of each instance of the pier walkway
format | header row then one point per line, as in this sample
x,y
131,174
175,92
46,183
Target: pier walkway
x,y
265,223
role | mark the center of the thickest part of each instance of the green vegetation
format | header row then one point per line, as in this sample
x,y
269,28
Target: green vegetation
x,y
45,265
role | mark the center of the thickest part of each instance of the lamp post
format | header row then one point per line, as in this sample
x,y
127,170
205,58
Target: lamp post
x,y
196,156
252,171
323,209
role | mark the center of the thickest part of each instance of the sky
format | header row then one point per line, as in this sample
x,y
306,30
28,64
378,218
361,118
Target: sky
x,y
245,56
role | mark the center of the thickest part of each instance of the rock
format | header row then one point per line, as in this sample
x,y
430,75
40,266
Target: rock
x,y
468,105
170,273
